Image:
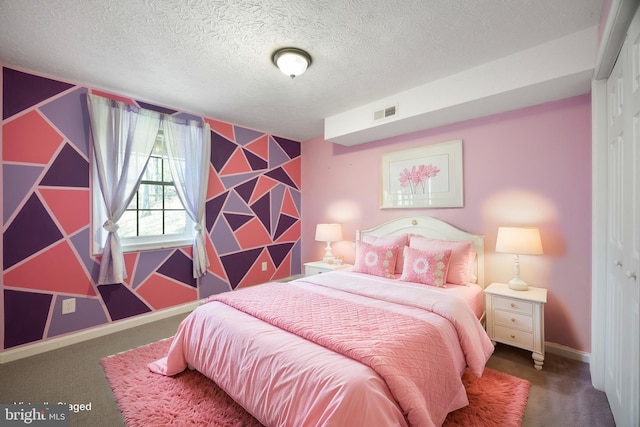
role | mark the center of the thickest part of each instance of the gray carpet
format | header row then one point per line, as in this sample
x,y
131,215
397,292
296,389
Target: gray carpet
x,y
561,394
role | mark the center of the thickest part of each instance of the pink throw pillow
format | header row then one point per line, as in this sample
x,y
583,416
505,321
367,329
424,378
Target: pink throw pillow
x,y
400,241
462,256
376,260
428,267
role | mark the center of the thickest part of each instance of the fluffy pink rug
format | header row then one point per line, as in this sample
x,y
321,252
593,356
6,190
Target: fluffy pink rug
x,y
189,398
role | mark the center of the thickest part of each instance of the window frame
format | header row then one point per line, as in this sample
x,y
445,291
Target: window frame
x,y
136,243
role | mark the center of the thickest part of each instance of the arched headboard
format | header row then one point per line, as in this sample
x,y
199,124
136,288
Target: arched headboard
x,y
434,228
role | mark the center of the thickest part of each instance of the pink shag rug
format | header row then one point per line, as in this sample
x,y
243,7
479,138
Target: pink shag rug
x,y
189,398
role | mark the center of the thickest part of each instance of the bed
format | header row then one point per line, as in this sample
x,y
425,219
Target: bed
x,y
363,346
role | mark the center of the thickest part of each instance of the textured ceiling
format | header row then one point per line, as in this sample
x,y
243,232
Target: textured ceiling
x,y
213,57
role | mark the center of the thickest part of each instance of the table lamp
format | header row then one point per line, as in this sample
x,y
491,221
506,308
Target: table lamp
x,y
328,233
518,241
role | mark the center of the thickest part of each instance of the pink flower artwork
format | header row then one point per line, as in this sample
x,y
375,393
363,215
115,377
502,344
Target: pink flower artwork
x,y
418,177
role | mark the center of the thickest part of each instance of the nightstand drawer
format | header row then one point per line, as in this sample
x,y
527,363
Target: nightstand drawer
x,y
511,304
315,270
512,336
513,320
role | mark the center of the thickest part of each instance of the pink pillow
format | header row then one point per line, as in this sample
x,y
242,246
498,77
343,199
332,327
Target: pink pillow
x,y
462,256
428,267
400,241
376,260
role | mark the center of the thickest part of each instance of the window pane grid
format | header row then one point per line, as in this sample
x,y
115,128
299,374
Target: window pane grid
x,y
156,208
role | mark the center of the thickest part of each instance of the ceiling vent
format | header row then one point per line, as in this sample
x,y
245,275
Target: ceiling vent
x,y
385,113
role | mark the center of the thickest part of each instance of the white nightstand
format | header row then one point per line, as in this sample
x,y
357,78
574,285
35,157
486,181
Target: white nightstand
x,y
318,267
517,318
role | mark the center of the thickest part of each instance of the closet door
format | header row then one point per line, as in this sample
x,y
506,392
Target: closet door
x,y
633,256
622,354
616,138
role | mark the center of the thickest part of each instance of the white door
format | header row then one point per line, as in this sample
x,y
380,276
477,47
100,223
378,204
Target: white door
x,y
614,385
632,284
622,354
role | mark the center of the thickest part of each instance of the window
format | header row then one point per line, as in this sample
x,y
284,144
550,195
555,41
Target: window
x,y
155,218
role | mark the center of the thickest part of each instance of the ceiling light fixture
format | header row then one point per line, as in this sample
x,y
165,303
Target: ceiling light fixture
x,y
291,61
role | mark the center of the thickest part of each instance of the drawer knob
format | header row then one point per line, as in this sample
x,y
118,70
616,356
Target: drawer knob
x,y
513,305
513,320
513,337
618,263
632,275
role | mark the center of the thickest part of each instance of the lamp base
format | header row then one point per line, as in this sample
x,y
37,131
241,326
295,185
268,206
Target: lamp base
x,y
328,254
518,284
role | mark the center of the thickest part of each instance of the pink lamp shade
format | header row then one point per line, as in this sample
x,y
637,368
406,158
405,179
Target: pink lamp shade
x,y
518,241
328,233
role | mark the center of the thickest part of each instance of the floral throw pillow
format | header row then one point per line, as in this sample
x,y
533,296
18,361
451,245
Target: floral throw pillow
x,y
428,267
376,260
397,240
462,256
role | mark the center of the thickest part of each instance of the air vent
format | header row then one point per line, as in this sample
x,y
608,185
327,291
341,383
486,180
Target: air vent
x,y
385,113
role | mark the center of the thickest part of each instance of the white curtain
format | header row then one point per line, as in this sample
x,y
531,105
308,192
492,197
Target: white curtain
x,y
188,146
123,137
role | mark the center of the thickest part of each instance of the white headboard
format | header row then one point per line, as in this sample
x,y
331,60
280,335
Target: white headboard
x,y
436,229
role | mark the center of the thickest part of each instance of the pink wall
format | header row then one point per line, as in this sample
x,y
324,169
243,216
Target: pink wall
x,y
525,167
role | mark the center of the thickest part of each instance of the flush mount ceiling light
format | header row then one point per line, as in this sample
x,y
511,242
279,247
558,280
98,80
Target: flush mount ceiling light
x,y
291,61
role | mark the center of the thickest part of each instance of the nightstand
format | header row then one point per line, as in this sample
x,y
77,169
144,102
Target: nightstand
x,y
318,267
517,318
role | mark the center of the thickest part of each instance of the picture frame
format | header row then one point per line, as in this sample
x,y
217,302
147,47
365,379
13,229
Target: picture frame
x,y
423,177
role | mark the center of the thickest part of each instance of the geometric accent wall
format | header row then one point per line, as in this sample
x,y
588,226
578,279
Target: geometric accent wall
x,y
252,217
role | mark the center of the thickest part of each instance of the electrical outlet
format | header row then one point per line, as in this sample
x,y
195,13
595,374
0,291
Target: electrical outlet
x,y
68,305
264,266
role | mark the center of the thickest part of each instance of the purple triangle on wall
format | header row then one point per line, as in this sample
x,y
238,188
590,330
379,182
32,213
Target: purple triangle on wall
x,y
180,268
223,239
236,221
70,115
69,169
20,179
211,284
280,175
121,302
244,136
148,262
279,252
284,223
25,316
235,204
277,156
261,209
230,181
292,148
213,208
277,196
245,190
31,230
221,150
21,90
237,265
256,162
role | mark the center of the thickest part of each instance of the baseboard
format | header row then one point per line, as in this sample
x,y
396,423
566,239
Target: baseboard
x,y
110,328
567,352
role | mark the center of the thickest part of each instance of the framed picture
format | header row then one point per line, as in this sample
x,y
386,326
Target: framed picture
x,y
424,177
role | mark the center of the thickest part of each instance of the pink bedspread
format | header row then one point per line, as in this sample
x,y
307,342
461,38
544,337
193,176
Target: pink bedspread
x,y
417,360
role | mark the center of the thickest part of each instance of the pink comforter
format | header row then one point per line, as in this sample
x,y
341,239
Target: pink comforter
x,y
416,359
